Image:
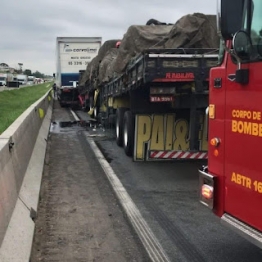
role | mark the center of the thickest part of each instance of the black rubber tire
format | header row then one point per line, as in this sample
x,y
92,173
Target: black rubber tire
x,y
119,125
128,133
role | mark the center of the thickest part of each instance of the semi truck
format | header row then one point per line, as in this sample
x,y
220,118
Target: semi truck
x,y
231,183
158,102
5,78
22,79
72,54
31,80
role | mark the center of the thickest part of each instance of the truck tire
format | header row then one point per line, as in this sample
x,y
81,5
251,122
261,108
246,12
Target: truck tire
x,y
128,133
119,125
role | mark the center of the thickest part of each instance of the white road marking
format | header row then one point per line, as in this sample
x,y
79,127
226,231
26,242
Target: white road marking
x,y
147,237
74,115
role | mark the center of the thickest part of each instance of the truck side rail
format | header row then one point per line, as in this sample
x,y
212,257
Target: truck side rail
x,y
163,65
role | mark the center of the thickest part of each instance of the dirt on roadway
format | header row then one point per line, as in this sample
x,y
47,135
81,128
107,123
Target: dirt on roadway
x,y
79,218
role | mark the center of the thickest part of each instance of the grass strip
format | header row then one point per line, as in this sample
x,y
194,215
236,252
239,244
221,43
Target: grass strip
x,y
14,102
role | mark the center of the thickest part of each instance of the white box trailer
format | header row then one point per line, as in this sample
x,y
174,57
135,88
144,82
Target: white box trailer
x,y
22,79
72,55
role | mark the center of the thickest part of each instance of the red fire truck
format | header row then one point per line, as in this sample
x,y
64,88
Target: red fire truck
x,y
231,184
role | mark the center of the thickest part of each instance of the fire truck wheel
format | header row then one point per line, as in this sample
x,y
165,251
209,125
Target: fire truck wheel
x,y
128,136
119,125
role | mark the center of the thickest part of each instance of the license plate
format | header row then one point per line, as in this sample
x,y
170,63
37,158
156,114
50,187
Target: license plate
x,y
161,98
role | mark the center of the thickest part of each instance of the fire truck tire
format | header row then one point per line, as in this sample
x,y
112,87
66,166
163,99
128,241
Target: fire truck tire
x,y
128,133
119,125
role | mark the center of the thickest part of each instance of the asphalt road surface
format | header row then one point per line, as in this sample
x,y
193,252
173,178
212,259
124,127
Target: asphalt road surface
x,y
166,194
77,203
79,218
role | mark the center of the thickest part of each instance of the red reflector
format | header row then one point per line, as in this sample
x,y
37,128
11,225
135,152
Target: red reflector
x,y
207,191
66,90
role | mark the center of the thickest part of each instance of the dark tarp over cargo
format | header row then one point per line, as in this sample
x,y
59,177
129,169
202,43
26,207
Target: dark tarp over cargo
x,y
93,67
191,31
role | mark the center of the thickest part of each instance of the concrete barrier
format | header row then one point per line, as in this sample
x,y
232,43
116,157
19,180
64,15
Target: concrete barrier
x,y
22,153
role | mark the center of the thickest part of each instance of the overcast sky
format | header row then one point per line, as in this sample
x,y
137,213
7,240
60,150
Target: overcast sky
x,y
28,28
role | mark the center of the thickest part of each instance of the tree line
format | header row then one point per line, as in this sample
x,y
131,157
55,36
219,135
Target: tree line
x,y
37,74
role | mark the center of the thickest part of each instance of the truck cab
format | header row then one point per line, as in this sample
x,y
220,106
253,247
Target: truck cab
x,y
231,184
22,79
3,80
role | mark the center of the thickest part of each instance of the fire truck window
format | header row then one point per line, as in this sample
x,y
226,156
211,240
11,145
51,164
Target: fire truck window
x,y
256,24
221,51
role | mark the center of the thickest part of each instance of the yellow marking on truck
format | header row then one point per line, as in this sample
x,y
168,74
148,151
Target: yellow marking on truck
x,y
143,134
157,138
103,108
110,101
160,132
246,122
169,131
181,134
241,180
246,128
246,114
96,96
246,182
121,102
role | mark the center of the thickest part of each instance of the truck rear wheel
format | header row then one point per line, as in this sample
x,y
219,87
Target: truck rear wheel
x,y
119,125
128,133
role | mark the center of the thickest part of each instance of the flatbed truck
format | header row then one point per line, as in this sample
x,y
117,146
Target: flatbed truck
x,y
158,105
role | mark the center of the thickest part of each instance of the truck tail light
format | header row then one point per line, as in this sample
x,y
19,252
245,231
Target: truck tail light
x,y
206,187
207,191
